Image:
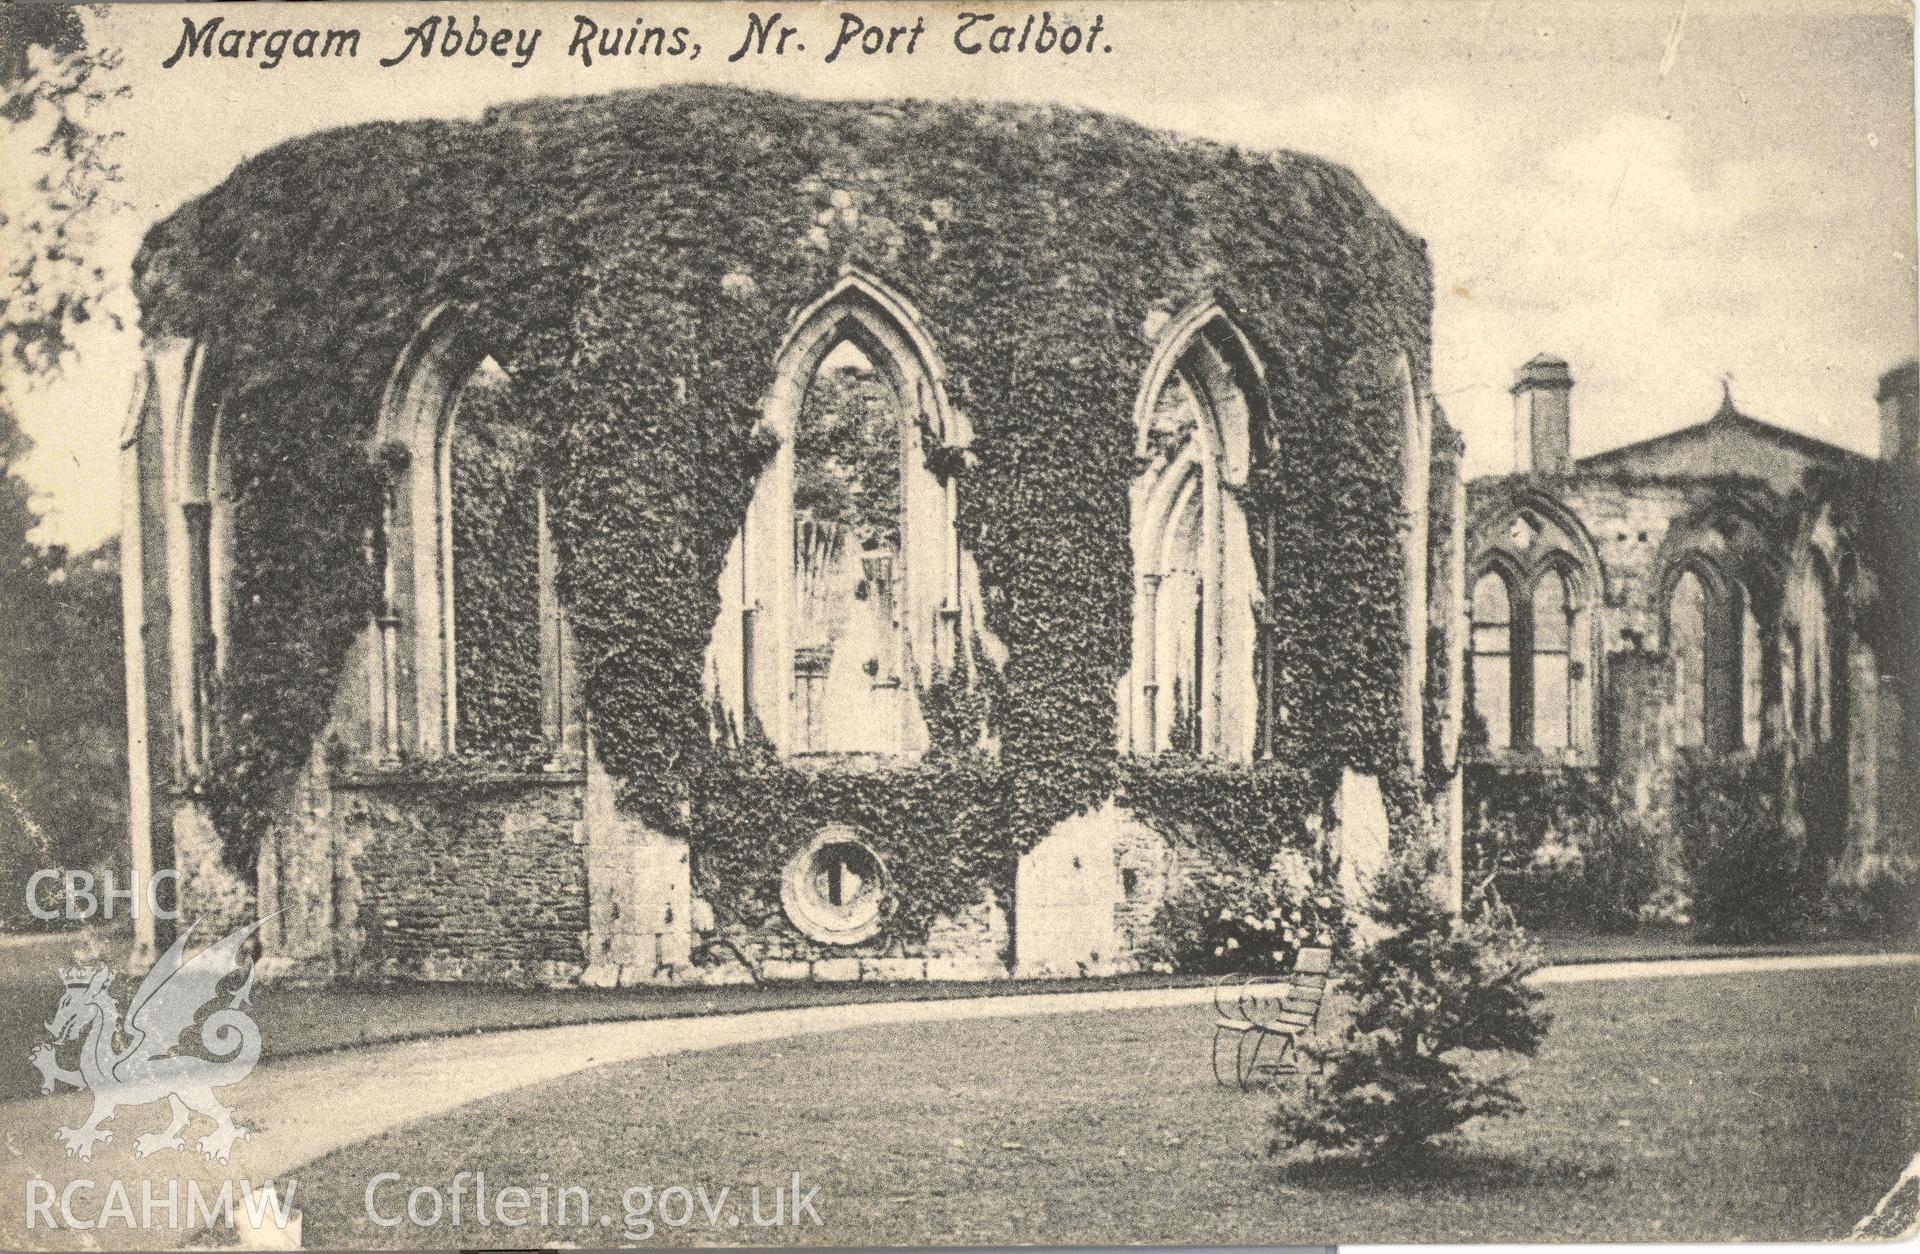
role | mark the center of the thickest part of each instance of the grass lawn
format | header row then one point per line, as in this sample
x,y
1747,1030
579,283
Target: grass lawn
x,y
297,1021
309,1020
1767,1107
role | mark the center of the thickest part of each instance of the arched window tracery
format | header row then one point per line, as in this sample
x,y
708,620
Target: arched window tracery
x,y
1752,672
495,545
1812,634
1416,463
1553,663
463,535
1689,614
1534,651
203,492
1492,660
846,590
1192,686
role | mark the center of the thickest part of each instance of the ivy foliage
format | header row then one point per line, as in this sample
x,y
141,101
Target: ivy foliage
x,y
933,825
496,573
634,261
847,455
1246,815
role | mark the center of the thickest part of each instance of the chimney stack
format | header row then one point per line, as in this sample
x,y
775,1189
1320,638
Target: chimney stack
x,y
1540,416
1899,398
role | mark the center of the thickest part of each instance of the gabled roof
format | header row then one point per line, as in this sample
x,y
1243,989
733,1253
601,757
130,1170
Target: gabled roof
x,y
1726,418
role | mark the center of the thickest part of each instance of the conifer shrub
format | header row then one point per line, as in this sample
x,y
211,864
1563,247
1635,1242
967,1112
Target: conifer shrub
x,y
1436,998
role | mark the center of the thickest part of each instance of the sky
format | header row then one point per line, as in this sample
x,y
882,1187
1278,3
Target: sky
x,y
1668,193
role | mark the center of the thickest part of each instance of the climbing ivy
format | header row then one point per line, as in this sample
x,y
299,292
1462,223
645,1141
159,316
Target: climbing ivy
x,y
633,261
932,823
496,575
1444,499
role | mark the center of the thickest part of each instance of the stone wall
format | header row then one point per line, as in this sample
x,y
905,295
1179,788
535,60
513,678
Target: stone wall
x,y
1715,448
1735,503
1634,527
480,879
970,946
1151,870
1086,896
396,875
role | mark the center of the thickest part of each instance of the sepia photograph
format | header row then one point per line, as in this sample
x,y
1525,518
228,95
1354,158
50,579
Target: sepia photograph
x,y
890,625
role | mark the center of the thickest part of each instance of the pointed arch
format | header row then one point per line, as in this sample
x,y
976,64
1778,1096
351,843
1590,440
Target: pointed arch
x,y
924,579
1496,598
883,312
1191,685
1700,629
1753,671
1736,531
412,663
199,546
414,676
1563,532
1416,440
1731,539
1531,536
1814,610
1229,372
1825,561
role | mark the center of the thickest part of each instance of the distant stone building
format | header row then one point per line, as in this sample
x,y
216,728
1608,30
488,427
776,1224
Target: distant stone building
x,y
1706,591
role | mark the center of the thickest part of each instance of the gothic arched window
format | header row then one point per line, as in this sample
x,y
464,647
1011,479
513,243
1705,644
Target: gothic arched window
x,y
1191,685
1492,641
846,590
203,488
463,540
1813,663
494,541
1415,454
850,659
1687,652
1534,625
1752,677
1553,663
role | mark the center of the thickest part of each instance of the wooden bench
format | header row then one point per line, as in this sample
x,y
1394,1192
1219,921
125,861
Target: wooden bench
x,y
1253,1010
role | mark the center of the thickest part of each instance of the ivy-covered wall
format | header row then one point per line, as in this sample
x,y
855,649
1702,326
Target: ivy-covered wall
x,y
633,261
496,575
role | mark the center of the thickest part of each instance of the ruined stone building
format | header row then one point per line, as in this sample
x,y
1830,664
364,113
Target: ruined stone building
x,y
1717,591
703,535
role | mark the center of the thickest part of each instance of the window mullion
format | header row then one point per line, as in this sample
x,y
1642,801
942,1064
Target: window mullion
x,y
1520,666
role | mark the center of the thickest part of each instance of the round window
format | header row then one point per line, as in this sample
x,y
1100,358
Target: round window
x,y
835,889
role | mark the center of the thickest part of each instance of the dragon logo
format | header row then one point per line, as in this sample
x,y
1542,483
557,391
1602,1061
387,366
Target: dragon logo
x,y
165,1006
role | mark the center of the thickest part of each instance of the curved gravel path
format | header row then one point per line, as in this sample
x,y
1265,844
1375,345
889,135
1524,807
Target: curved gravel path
x,y
307,1106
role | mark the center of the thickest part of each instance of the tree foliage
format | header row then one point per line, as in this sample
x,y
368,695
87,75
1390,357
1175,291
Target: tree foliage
x,y
62,717
55,84
847,454
1431,990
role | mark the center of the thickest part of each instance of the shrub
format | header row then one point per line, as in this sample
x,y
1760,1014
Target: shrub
x,y
1620,882
1885,906
1670,905
1559,847
1220,921
1431,989
1741,853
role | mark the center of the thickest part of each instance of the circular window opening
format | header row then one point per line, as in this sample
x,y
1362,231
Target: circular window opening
x,y
835,889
